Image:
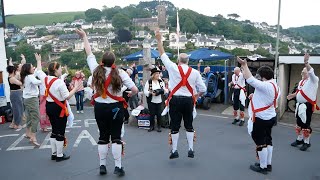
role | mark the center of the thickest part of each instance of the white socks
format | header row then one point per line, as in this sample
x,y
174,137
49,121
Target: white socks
x,y
53,146
307,140
59,148
270,150
263,155
300,137
117,151
103,151
175,138
190,136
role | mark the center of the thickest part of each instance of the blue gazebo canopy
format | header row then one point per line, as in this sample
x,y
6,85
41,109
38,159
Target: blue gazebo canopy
x,y
137,55
207,54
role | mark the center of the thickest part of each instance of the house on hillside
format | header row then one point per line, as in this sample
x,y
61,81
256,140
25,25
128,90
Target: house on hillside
x,y
229,45
78,22
66,37
266,46
173,44
134,44
142,34
250,46
31,34
153,42
99,25
16,38
87,26
151,23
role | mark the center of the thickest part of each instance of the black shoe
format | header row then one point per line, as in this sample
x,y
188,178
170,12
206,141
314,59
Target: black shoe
x,y
159,129
151,129
53,157
258,169
103,170
241,123
235,121
64,157
174,155
269,167
119,171
190,153
296,143
305,146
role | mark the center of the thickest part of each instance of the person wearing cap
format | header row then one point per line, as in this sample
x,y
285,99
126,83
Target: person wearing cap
x,y
238,83
183,85
153,90
79,77
306,96
262,113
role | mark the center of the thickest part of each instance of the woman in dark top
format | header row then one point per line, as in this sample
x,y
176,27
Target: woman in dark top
x,y
15,97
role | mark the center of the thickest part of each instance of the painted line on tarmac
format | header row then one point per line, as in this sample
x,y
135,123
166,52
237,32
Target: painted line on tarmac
x,y
8,135
224,117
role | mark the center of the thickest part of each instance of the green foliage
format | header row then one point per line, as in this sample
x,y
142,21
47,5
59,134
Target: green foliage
x,y
308,33
120,21
41,32
189,26
263,52
79,16
241,52
44,18
93,15
110,12
27,50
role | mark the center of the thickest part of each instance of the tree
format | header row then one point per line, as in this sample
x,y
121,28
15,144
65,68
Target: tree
x,y
42,32
28,52
189,26
93,15
124,35
284,50
241,52
120,21
262,52
10,53
79,16
110,12
190,46
233,16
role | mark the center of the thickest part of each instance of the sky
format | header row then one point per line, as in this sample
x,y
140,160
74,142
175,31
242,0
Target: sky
x,y
294,13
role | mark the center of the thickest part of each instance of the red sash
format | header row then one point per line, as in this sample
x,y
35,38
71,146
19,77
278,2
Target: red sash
x,y
117,98
254,111
314,103
64,109
183,82
239,85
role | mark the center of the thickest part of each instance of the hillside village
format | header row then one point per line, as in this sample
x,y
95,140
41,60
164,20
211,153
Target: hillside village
x,y
103,36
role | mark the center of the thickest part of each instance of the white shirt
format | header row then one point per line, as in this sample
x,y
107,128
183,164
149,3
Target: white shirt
x,y
310,87
30,85
195,79
126,80
42,86
238,80
155,85
89,81
263,96
58,89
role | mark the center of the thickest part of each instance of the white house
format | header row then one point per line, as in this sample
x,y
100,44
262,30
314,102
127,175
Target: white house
x,y
87,26
78,22
78,46
173,44
266,46
250,46
100,25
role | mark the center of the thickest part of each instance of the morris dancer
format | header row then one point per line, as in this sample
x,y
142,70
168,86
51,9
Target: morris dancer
x,y
306,96
182,84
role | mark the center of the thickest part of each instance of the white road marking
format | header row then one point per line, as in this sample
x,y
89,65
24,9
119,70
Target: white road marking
x,y
224,117
8,135
14,148
44,144
87,123
84,135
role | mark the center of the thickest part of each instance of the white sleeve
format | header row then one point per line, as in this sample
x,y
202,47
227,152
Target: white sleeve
x,y
199,82
233,78
313,77
127,81
34,80
146,89
92,63
63,76
64,92
256,83
167,62
40,74
89,81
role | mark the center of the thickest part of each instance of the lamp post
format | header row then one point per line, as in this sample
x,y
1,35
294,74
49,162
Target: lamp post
x,y
225,82
276,61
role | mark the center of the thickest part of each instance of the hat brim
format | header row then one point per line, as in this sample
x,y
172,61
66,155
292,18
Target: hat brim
x,y
155,72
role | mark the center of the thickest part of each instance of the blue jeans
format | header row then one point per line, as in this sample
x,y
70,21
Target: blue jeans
x,y
79,98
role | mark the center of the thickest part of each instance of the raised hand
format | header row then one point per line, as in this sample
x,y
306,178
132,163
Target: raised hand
x,y
158,35
306,58
243,62
23,59
81,33
38,57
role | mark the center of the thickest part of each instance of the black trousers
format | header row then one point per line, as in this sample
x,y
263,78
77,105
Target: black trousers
x,y
155,110
109,118
181,107
309,116
261,132
58,124
236,100
126,114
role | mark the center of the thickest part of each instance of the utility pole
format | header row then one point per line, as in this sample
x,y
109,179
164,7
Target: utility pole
x,y
146,62
276,61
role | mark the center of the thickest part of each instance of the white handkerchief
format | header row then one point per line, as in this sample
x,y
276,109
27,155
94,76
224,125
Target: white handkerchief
x,y
122,131
302,113
165,111
71,116
250,126
194,113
